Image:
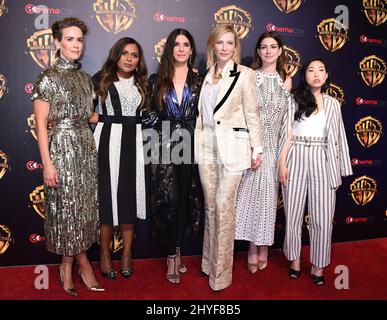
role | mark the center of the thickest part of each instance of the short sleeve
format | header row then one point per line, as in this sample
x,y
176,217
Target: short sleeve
x,y
42,88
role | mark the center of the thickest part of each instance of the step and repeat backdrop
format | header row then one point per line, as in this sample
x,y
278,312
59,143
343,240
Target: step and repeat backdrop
x,y
349,34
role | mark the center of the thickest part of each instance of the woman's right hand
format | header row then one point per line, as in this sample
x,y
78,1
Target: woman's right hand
x,y
283,174
50,175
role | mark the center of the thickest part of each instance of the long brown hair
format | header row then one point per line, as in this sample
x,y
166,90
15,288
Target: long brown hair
x,y
110,68
164,81
257,61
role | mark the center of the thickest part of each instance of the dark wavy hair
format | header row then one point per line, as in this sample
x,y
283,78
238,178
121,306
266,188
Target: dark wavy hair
x,y
302,93
166,72
110,68
257,61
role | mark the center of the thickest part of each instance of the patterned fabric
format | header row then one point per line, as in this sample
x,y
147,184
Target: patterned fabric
x,y
173,116
307,164
71,222
118,138
257,195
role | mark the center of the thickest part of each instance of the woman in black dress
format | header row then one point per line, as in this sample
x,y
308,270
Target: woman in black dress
x,y
121,88
175,185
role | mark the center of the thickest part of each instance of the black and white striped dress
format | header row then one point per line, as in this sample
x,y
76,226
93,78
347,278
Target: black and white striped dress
x,y
118,138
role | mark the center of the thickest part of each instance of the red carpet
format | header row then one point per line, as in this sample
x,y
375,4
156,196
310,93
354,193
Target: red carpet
x,y
366,262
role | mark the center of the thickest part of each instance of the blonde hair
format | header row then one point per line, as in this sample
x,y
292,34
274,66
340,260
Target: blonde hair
x,y
216,33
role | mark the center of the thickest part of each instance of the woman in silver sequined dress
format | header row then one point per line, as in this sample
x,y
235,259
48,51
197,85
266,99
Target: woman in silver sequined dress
x,y
121,87
257,195
62,100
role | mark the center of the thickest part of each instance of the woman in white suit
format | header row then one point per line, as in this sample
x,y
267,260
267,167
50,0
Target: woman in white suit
x,y
313,159
227,141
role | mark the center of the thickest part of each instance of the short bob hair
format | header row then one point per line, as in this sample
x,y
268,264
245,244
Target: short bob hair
x,y
214,37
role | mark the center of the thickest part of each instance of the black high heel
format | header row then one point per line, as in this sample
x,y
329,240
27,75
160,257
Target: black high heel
x,y
318,280
294,274
111,274
126,272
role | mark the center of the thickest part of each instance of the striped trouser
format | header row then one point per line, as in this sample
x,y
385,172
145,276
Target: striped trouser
x,y
307,165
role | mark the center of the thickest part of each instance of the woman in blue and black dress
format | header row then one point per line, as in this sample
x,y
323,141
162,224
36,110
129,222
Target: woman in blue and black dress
x,y
122,89
175,186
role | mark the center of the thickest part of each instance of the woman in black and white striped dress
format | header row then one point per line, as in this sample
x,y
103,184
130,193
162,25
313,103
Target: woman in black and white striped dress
x,y
121,87
313,159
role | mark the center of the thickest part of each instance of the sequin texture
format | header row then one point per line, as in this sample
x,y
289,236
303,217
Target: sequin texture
x,y
71,222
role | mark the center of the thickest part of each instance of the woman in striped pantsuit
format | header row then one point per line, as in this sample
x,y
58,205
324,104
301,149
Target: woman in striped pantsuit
x,y
314,157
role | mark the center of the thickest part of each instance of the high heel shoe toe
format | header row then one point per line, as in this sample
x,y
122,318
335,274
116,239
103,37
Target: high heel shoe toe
x,y
111,274
294,274
252,267
318,280
95,288
262,265
70,291
126,272
173,278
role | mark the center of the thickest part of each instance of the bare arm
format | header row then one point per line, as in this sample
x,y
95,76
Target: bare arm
x,y
283,170
50,174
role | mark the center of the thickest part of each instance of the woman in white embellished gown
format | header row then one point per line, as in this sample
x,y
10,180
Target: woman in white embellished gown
x,y
257,194
121,86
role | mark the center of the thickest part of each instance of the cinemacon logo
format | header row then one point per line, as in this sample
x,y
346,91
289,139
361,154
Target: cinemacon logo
x,y
35,238
287,30
28,88
33,9
160,17
33,165
360,101
365,39
350,220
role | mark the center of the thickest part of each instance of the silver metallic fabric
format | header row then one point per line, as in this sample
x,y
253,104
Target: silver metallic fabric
x,y
71,221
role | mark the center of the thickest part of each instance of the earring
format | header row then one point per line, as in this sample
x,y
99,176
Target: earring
x,y
190,60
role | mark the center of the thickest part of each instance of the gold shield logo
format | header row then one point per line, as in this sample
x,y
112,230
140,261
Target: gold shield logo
x,y
3,85
159,48
288,6
32,124
42,48
4,164
332,34
115,15
293,61
3,7
336,92
38,200
238,17
375,11
116,244
5,238
373,70
368,131
363,190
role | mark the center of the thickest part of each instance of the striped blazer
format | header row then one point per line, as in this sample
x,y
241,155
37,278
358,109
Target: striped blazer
x,y
339,163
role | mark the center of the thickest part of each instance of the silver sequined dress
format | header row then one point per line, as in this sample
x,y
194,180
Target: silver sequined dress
x,y
71,216
257,194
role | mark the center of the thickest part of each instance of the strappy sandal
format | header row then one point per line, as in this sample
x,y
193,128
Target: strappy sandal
x,y
173,278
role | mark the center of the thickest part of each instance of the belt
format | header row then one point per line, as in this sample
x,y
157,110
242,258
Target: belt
x,y
69,124
310,141
125,120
